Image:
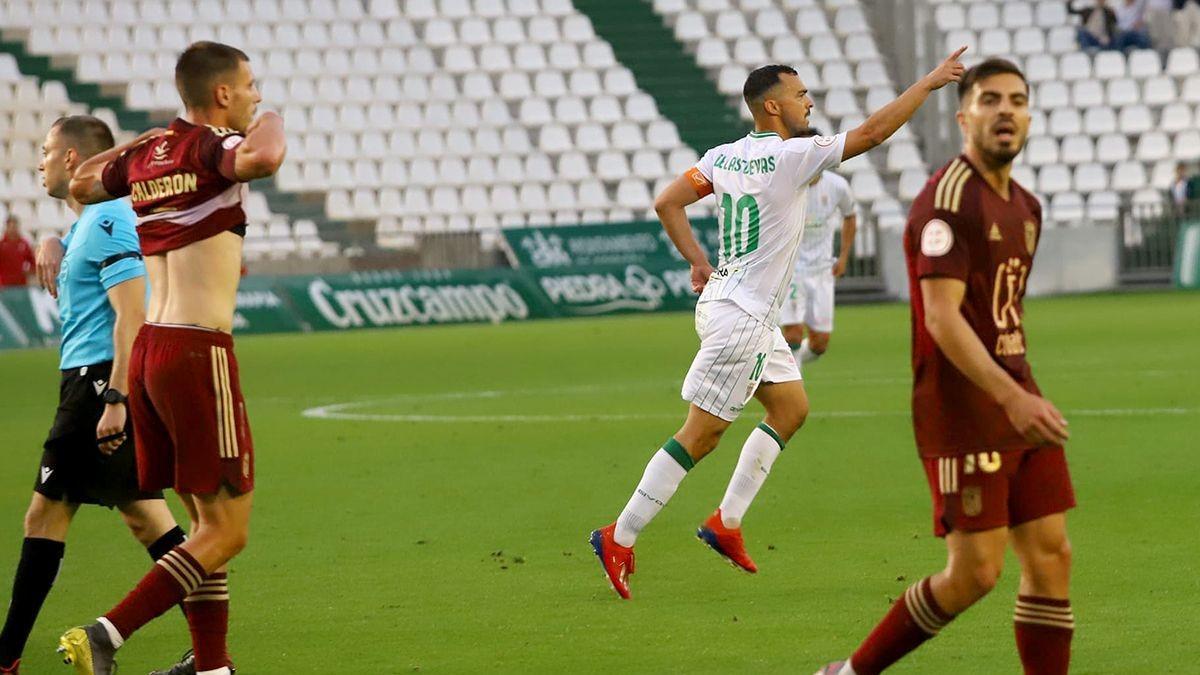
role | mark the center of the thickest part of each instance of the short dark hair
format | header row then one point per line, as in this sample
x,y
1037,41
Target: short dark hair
x,y
88,135
199,65
986,69
762,79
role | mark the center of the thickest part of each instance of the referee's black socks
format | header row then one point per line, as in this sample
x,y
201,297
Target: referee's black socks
x,y
36,572
174,537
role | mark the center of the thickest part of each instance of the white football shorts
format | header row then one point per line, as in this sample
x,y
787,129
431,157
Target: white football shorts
x,y
810,301
737,352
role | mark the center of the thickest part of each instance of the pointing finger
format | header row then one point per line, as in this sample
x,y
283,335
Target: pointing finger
x,y
958,53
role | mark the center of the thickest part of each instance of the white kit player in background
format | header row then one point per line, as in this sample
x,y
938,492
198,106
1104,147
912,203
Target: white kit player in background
x,y
808,307
760,182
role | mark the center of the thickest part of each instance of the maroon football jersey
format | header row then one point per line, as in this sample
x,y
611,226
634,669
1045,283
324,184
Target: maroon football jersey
x,y
961,228
182,185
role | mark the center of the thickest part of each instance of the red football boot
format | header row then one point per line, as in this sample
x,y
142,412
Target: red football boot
x,y
616,559
14,669
726,541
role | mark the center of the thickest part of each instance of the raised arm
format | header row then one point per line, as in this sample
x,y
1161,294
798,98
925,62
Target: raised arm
x,y
670,207
87,185
261,153
1033,416
887,120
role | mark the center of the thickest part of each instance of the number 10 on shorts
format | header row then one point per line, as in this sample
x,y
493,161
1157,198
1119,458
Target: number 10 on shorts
x,y
760,360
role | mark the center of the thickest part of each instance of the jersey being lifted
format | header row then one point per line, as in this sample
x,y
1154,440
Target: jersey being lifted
x,y
761,184
182,185
961,228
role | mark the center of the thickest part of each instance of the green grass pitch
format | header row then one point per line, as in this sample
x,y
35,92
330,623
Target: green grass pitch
x,y
442,527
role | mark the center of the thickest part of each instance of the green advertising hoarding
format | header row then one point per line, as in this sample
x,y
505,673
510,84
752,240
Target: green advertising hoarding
x,y
380,299
560,272
617,289
637,243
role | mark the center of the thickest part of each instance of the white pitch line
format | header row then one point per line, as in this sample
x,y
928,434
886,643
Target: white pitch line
x,y
342,411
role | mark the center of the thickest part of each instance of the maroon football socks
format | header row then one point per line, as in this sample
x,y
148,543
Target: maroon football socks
x,y
172,578
1044,627
912,620
207,610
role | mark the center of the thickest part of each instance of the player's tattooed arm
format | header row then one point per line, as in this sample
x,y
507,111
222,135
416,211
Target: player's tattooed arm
x,y
671,209
87,185
887,120
262,153
1033,416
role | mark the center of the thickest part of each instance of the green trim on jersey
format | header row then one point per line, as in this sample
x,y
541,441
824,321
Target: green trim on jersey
x,y
771,432
676,451
762,134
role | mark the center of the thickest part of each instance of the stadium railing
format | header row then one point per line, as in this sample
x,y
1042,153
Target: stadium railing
x,y
1149,236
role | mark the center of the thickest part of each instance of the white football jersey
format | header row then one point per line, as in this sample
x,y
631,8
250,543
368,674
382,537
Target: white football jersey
x,y
829,202
761,185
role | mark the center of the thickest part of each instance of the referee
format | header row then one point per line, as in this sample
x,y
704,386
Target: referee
x,y
88,456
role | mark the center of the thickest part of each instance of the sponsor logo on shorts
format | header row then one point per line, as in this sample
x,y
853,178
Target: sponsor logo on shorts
x,y
972,500
46,471
99,386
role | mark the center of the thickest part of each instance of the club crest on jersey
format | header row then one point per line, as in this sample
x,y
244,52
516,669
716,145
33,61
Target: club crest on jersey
x,y
159,155
823,141
1030,236
937,238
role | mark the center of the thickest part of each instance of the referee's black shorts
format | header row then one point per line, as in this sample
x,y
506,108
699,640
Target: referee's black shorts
x,y
73,469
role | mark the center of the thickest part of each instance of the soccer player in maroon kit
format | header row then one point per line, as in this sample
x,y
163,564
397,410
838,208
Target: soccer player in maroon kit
x,y
190,429
992,447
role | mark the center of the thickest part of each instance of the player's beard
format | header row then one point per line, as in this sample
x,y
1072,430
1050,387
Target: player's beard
x,y
997,155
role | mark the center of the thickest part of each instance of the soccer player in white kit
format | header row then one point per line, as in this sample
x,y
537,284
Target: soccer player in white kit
x,y
760,182
808,307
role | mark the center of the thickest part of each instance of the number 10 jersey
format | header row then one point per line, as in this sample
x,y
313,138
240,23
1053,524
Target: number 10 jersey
x,y
761,185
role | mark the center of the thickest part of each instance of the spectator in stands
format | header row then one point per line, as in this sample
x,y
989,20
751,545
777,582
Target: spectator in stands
x,y
1184,189
1131,25
1187,23
1159,23
16,255
1098,29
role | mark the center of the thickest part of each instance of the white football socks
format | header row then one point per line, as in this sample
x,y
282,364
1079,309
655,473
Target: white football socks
x,y
663,475
219,671
847,669
804,354
754,465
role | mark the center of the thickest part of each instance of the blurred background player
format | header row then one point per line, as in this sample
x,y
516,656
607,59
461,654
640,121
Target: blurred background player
x,y
87,457
760,182
16,255
187,185
807,314
992,447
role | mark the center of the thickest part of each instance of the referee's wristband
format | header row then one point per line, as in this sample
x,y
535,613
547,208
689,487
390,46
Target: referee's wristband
x,y
113,397
111,437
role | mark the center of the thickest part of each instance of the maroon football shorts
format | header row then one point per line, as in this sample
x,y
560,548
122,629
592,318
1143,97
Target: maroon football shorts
x,y
189,417
985,490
